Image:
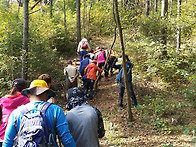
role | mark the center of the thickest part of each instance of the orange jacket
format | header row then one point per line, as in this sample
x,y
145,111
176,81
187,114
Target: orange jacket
x,y
91,71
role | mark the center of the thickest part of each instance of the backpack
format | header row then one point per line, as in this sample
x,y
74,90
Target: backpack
x,y
84,45
33,130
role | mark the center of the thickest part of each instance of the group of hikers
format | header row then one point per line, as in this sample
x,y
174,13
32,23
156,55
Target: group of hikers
x,y
92,64
30,117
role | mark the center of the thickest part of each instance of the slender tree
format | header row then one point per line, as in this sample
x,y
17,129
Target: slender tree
x,y
130,115
147,7
178,27
155,5
25,38
164,29
64,20
78,21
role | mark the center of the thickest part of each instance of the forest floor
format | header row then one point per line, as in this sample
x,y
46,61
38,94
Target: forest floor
x,y
140,132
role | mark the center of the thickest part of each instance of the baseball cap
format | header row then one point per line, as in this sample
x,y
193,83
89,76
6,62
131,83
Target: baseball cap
x,y
20,82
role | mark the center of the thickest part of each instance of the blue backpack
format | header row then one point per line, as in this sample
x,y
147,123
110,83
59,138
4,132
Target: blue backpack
x,y
33,130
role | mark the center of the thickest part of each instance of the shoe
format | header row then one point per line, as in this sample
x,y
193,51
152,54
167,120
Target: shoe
x,y
120,108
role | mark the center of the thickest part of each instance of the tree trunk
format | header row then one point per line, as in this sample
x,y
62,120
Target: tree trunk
x,y
178,27
164,29
84,17
130,115
25,38
89,18
147,8
164,8
51,7
64,11
78,21
156,5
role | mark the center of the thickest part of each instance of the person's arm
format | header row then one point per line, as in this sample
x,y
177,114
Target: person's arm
x,y
0,114
89,48
11,131
99,69
81,63
63,128
101,130
79,46
104,55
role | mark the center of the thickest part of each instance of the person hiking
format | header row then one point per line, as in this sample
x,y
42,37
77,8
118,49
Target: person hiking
x,y
101,59
71,73
83,65
83,48
10,102
54,120
91,75
120,79
92,55
47,79
85,122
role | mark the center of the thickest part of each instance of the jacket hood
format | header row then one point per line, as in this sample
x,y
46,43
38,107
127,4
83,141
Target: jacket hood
x,y
10,103
92,65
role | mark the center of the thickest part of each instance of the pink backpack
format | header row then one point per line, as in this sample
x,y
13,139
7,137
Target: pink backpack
x,y
84,45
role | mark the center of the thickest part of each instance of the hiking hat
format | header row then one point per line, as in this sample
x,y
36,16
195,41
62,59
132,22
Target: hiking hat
x,y
38,87
20,82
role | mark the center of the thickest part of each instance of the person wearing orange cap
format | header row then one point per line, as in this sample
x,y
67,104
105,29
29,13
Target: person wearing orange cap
x,y
91,75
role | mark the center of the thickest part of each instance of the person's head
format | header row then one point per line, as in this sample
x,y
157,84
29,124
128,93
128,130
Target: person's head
x,y
75,97
87,56
126,57
91,51
38,90
45,77
69,62
95,62
17,86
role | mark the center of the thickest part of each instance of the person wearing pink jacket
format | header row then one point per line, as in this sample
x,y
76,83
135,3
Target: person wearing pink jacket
x,y
10,102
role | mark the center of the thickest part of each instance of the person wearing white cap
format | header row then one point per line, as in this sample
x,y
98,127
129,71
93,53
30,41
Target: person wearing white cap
x,y
38,93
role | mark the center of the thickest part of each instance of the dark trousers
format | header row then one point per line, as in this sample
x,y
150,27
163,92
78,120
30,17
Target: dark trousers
x,y
101,65
89,84
121,94
82,54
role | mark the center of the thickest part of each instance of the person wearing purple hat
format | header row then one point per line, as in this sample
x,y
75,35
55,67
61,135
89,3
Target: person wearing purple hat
x,y
10,102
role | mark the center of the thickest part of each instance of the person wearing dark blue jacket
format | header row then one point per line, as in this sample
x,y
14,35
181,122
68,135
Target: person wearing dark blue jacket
x,y
121,80
84,63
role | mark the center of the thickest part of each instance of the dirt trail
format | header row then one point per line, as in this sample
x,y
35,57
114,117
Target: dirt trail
x,y
119,132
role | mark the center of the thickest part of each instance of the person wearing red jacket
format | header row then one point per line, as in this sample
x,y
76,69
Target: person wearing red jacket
x,y
91,75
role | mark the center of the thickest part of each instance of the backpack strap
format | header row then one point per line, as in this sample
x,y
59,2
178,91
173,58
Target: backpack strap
x,y
23,109
45,107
